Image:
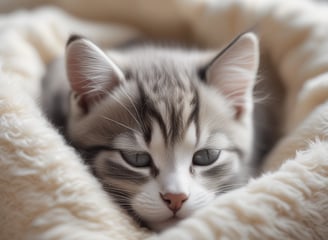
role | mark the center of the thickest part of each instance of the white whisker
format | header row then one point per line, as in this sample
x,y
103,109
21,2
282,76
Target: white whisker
x,y
132,103
124,106
120,124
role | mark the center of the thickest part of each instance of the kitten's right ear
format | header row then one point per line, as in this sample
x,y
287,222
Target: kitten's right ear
x,y
233,72
91,73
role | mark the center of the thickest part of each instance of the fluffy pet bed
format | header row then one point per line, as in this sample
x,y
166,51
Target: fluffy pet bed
x,y
47,193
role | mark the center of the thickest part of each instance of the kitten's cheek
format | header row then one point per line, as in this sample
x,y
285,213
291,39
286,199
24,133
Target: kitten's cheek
x,y
150,208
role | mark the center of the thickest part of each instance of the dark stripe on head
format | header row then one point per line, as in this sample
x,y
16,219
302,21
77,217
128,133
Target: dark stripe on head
x,y
149,112
145,120
176,128
194,115
157,116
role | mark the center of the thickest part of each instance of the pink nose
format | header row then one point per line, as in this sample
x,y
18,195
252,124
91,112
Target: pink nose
x,y
174,201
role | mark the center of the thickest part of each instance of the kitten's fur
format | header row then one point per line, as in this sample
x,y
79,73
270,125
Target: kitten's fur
x,y
141,117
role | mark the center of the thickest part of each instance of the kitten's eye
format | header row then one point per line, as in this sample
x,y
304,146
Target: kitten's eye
x,y
137,159
205,157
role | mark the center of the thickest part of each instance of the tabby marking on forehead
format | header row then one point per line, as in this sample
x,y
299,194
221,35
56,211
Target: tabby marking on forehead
x,y
168,112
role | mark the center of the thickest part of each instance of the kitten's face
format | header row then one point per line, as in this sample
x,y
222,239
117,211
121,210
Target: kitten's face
x,y
162,141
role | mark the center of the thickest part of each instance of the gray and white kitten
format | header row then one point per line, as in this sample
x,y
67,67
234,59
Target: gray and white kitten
x,y
166,130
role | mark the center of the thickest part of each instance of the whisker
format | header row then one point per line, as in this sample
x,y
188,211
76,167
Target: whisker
x,y
120,124
132,103
124,106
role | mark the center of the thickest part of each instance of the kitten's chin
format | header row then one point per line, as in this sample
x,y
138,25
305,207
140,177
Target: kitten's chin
x,y
160,226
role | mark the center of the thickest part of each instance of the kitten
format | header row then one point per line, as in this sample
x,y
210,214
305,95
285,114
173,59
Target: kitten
x,y
166,130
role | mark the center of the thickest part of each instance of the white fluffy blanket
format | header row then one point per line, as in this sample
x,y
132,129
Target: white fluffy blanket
x,y
47,193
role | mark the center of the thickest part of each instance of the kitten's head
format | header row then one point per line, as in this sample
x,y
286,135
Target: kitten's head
x,y
167,130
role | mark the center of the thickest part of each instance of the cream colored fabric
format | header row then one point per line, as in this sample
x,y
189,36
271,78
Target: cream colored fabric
x,y
47,193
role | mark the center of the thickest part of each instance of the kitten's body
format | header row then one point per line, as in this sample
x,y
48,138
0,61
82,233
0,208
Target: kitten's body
x,y
162,129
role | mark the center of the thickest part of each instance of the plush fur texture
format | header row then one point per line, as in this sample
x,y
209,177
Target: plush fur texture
x,y
42,199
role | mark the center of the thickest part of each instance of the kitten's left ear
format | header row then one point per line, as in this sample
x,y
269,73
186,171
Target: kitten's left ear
x,y
91,73
233,72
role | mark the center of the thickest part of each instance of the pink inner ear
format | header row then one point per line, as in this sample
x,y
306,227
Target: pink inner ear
x,y
233,73
80,84
235,88
77,81
238,97
90,72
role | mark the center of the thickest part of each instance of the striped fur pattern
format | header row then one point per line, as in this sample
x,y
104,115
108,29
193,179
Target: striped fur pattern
x,y
156,123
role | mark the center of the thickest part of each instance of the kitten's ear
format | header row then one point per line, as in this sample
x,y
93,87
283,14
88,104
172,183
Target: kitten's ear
x,y
233,72
90,72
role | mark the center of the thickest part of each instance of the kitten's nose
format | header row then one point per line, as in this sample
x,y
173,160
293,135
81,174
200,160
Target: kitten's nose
x,y
174,201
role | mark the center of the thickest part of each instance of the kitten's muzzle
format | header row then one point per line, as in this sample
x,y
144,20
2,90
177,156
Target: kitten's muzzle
x,y
174,201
